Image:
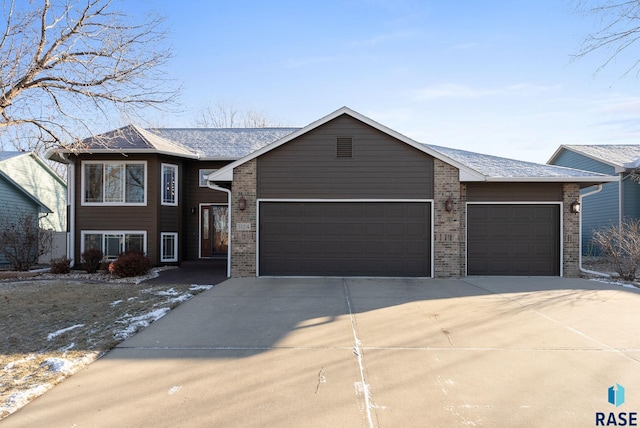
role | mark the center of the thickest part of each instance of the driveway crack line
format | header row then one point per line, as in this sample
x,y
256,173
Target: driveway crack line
x,y
357,350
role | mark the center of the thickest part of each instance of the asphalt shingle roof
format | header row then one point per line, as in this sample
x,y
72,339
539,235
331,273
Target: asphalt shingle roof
x,y
223,143
498,167
620,155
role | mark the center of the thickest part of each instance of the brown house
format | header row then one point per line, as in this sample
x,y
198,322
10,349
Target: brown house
x,y
343,196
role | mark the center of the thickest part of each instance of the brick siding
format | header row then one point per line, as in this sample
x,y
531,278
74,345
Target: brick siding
x,y
243,242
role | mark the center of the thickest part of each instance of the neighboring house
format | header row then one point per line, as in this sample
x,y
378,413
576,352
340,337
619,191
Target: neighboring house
x,y
616,200
44,187
343,196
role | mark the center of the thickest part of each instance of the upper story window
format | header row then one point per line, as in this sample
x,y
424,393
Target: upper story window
x,y
114,183
203,174
169,184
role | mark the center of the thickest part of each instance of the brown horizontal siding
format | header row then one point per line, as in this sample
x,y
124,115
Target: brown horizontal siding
x,y
514,192
194,195
381,166
121,218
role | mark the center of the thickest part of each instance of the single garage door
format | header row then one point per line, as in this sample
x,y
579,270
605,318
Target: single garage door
x,y
345,238
513,239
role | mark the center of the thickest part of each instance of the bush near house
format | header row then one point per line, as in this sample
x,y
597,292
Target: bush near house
x,y
60,266
22,241
131,263
92,259
622,244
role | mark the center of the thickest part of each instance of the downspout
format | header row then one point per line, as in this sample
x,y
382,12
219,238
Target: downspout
x,y
228,192
71,226
591,272
620,198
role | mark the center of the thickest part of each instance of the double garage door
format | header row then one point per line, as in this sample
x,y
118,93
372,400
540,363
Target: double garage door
x,y
345,238
394,239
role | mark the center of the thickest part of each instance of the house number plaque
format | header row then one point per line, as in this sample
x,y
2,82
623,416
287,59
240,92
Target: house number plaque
x,y
243,226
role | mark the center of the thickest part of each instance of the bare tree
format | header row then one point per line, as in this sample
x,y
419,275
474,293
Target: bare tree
x,y
66,63
622,244
226,115
619,29
22,241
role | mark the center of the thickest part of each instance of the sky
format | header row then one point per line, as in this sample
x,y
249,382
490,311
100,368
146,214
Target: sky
x,y
487,76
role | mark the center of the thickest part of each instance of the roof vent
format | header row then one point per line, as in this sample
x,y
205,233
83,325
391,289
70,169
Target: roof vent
x,y
344,147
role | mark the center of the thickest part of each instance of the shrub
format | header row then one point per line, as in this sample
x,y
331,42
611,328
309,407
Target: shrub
x,y
622,244
92,258
22,240
131,263
60,266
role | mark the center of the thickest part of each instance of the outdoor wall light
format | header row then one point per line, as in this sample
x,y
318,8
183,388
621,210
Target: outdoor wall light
x,y
242,203
575,207
448,204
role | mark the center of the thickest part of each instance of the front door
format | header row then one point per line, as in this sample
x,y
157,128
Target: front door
x,y
214,231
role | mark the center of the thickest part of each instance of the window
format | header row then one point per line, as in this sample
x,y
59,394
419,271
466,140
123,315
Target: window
x,y
114,243
168,247
114,183
203,176
169,184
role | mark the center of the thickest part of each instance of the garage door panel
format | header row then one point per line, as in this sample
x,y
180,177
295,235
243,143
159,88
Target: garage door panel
x,y
345,238
519,239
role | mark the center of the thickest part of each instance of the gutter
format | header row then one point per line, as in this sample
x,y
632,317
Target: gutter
x,y
591,272
228,192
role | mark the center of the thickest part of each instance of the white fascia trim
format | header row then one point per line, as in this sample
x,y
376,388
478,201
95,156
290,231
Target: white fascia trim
x,y
568,179
430,201
116,151
340,200
561,237
223,173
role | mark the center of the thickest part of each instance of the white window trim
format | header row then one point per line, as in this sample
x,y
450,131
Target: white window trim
x,y
175,247
111,204
112,232
162,184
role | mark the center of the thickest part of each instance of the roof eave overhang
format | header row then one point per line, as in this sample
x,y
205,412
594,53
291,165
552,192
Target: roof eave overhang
x,y
226,173
51,155
604,179
618,168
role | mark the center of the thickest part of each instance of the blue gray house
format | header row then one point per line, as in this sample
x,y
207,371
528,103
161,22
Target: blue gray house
x,y
29,185
617,200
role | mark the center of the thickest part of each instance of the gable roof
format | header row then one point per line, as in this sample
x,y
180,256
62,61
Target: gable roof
x,y
472,166
7,156
24,192
620,156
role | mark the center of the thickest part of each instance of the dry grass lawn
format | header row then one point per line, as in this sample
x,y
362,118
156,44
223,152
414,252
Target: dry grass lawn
x,y
51,328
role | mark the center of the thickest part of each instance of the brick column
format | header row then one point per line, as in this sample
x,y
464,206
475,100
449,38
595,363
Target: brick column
x,y
448,246
570,231
243,223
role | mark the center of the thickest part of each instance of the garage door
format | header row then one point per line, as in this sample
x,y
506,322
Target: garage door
x,y
513,240
345,238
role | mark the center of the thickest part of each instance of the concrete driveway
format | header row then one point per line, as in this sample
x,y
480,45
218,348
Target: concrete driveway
x,y
337,352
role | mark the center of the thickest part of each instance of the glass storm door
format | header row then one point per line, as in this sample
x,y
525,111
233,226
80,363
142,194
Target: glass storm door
x,y
214,231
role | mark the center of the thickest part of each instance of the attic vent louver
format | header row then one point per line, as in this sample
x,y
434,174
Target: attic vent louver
x,y
344,147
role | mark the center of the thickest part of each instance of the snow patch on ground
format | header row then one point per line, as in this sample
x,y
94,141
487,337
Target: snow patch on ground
x,y
134,324
55,334
618,283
